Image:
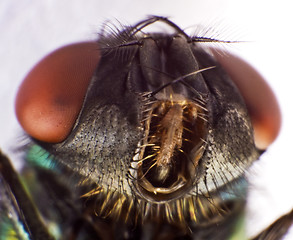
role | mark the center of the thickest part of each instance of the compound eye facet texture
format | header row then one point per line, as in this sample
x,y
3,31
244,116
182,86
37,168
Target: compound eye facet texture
x,y
51,96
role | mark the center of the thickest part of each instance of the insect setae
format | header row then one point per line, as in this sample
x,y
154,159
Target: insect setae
x,y
152,144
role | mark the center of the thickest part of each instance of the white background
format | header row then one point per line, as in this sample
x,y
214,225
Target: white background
x,y
29,29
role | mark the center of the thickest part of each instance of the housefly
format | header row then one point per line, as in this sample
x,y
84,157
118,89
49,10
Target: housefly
x,y
136,136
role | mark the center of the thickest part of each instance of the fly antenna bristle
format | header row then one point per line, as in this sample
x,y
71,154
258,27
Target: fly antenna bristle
x,y
202,117
148,145
191,208
179,210
154,164
187,129
94,191
156,148
211,40
129,210
106,202
180,79
147,157
204,141
187,140
169,213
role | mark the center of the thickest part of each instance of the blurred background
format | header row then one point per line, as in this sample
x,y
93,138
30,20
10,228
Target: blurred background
x,y
30,29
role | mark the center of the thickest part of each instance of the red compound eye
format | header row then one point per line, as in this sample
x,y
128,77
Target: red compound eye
x,y
260,99
51,96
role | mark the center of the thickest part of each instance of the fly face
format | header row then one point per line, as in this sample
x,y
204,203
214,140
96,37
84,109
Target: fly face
x,y
160,121
160,134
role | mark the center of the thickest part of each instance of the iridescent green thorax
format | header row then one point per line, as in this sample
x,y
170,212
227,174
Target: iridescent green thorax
x,y
12,229
159,148
193,210
37,156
